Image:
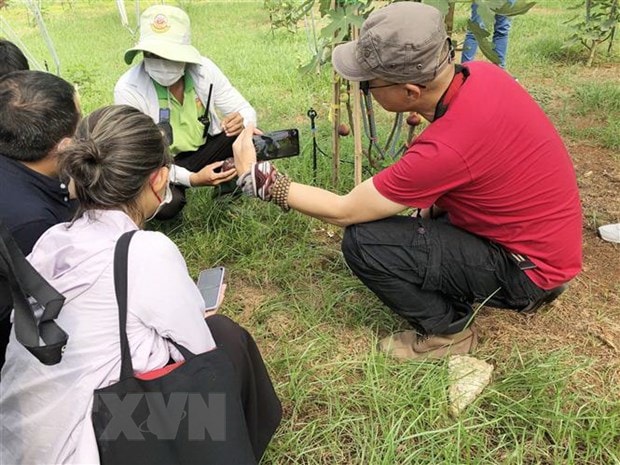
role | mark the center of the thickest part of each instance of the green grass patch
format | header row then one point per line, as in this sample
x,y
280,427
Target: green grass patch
x,y
600,103
598,98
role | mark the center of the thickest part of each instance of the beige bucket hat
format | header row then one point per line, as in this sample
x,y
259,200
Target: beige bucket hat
x,y
165,31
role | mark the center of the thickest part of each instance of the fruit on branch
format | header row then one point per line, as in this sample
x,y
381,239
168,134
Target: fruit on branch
x,y
414,119
343,130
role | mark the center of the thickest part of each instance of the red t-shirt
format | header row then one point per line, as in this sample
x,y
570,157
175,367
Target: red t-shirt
x,y
497,165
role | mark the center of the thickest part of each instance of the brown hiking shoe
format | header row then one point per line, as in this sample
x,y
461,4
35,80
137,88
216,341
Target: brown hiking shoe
x,y
409,345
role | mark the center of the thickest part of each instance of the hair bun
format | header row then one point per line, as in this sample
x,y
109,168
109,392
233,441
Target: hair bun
x,y
83,162
90,150
114,152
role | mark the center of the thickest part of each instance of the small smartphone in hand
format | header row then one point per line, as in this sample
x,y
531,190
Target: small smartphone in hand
x,y
210,283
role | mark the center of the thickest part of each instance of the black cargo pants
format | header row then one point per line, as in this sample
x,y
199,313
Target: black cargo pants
x,y
431,272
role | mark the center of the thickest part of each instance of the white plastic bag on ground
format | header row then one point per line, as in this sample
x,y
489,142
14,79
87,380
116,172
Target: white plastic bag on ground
x,y
610,232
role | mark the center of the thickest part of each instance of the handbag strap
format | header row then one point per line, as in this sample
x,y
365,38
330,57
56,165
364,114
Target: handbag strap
x,y
121,253
45,339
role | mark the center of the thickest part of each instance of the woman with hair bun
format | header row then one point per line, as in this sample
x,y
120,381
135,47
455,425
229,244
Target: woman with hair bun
x,y
118,163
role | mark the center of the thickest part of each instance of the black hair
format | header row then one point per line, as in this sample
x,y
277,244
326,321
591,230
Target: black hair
x,y
37,110
11,58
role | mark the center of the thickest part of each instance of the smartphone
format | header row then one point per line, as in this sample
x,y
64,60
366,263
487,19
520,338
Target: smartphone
x,y
164,125
277,144
210,285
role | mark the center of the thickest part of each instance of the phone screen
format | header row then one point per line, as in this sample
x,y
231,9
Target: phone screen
x,y
277,144
210,284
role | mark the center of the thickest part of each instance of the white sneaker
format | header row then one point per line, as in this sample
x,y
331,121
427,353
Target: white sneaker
x,y
610,232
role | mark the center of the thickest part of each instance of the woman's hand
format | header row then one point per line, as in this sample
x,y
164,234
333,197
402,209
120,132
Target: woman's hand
x,y
209,177
244,150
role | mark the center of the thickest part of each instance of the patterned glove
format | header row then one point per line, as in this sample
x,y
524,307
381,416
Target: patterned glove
x,y
259,180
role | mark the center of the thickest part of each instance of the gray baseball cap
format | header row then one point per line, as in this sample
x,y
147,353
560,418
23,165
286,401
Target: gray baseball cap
x,y
402,42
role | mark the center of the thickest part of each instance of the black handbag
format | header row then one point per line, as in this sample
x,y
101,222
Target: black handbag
x,y
191,415
19,280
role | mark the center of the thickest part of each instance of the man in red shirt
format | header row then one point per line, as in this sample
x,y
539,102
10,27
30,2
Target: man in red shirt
x,y
499,213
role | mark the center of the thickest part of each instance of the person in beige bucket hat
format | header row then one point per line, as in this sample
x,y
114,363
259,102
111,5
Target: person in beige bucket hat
x,y
174,84
498,213
165,32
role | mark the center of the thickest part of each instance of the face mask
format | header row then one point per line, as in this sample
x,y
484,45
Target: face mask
x,y
165,201
164,72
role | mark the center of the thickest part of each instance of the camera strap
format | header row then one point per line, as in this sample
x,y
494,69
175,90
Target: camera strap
x,y
461,73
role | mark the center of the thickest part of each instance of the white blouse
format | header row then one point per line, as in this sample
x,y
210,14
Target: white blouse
x,y
45,411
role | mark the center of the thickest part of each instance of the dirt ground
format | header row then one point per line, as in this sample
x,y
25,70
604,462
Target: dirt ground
x,y
586,318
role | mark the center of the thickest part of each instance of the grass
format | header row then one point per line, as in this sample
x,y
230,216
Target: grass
x,y
316,324
600,102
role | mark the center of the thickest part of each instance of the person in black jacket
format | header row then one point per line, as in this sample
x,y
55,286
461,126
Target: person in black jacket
x,y
38,114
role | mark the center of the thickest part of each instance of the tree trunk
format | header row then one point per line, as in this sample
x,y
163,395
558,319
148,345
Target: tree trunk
x,y
612,15
595,44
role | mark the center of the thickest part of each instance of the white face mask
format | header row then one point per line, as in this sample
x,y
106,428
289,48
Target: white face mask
x,y
165,201
164,72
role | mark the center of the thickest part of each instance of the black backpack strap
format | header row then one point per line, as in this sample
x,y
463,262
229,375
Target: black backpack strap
x,y
121,252
121,262
43,339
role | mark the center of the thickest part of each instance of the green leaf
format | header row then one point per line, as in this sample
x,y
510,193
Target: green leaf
x,y
520,7
476,30
486,47
356,21
486,15
488,50
337,28
341,22
570,42
494,4
441,5
324,7
312,66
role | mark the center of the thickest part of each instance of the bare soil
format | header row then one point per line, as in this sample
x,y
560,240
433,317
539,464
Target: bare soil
x,y
586,318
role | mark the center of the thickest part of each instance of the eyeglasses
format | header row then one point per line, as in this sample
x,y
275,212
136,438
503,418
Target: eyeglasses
x,y
366,87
